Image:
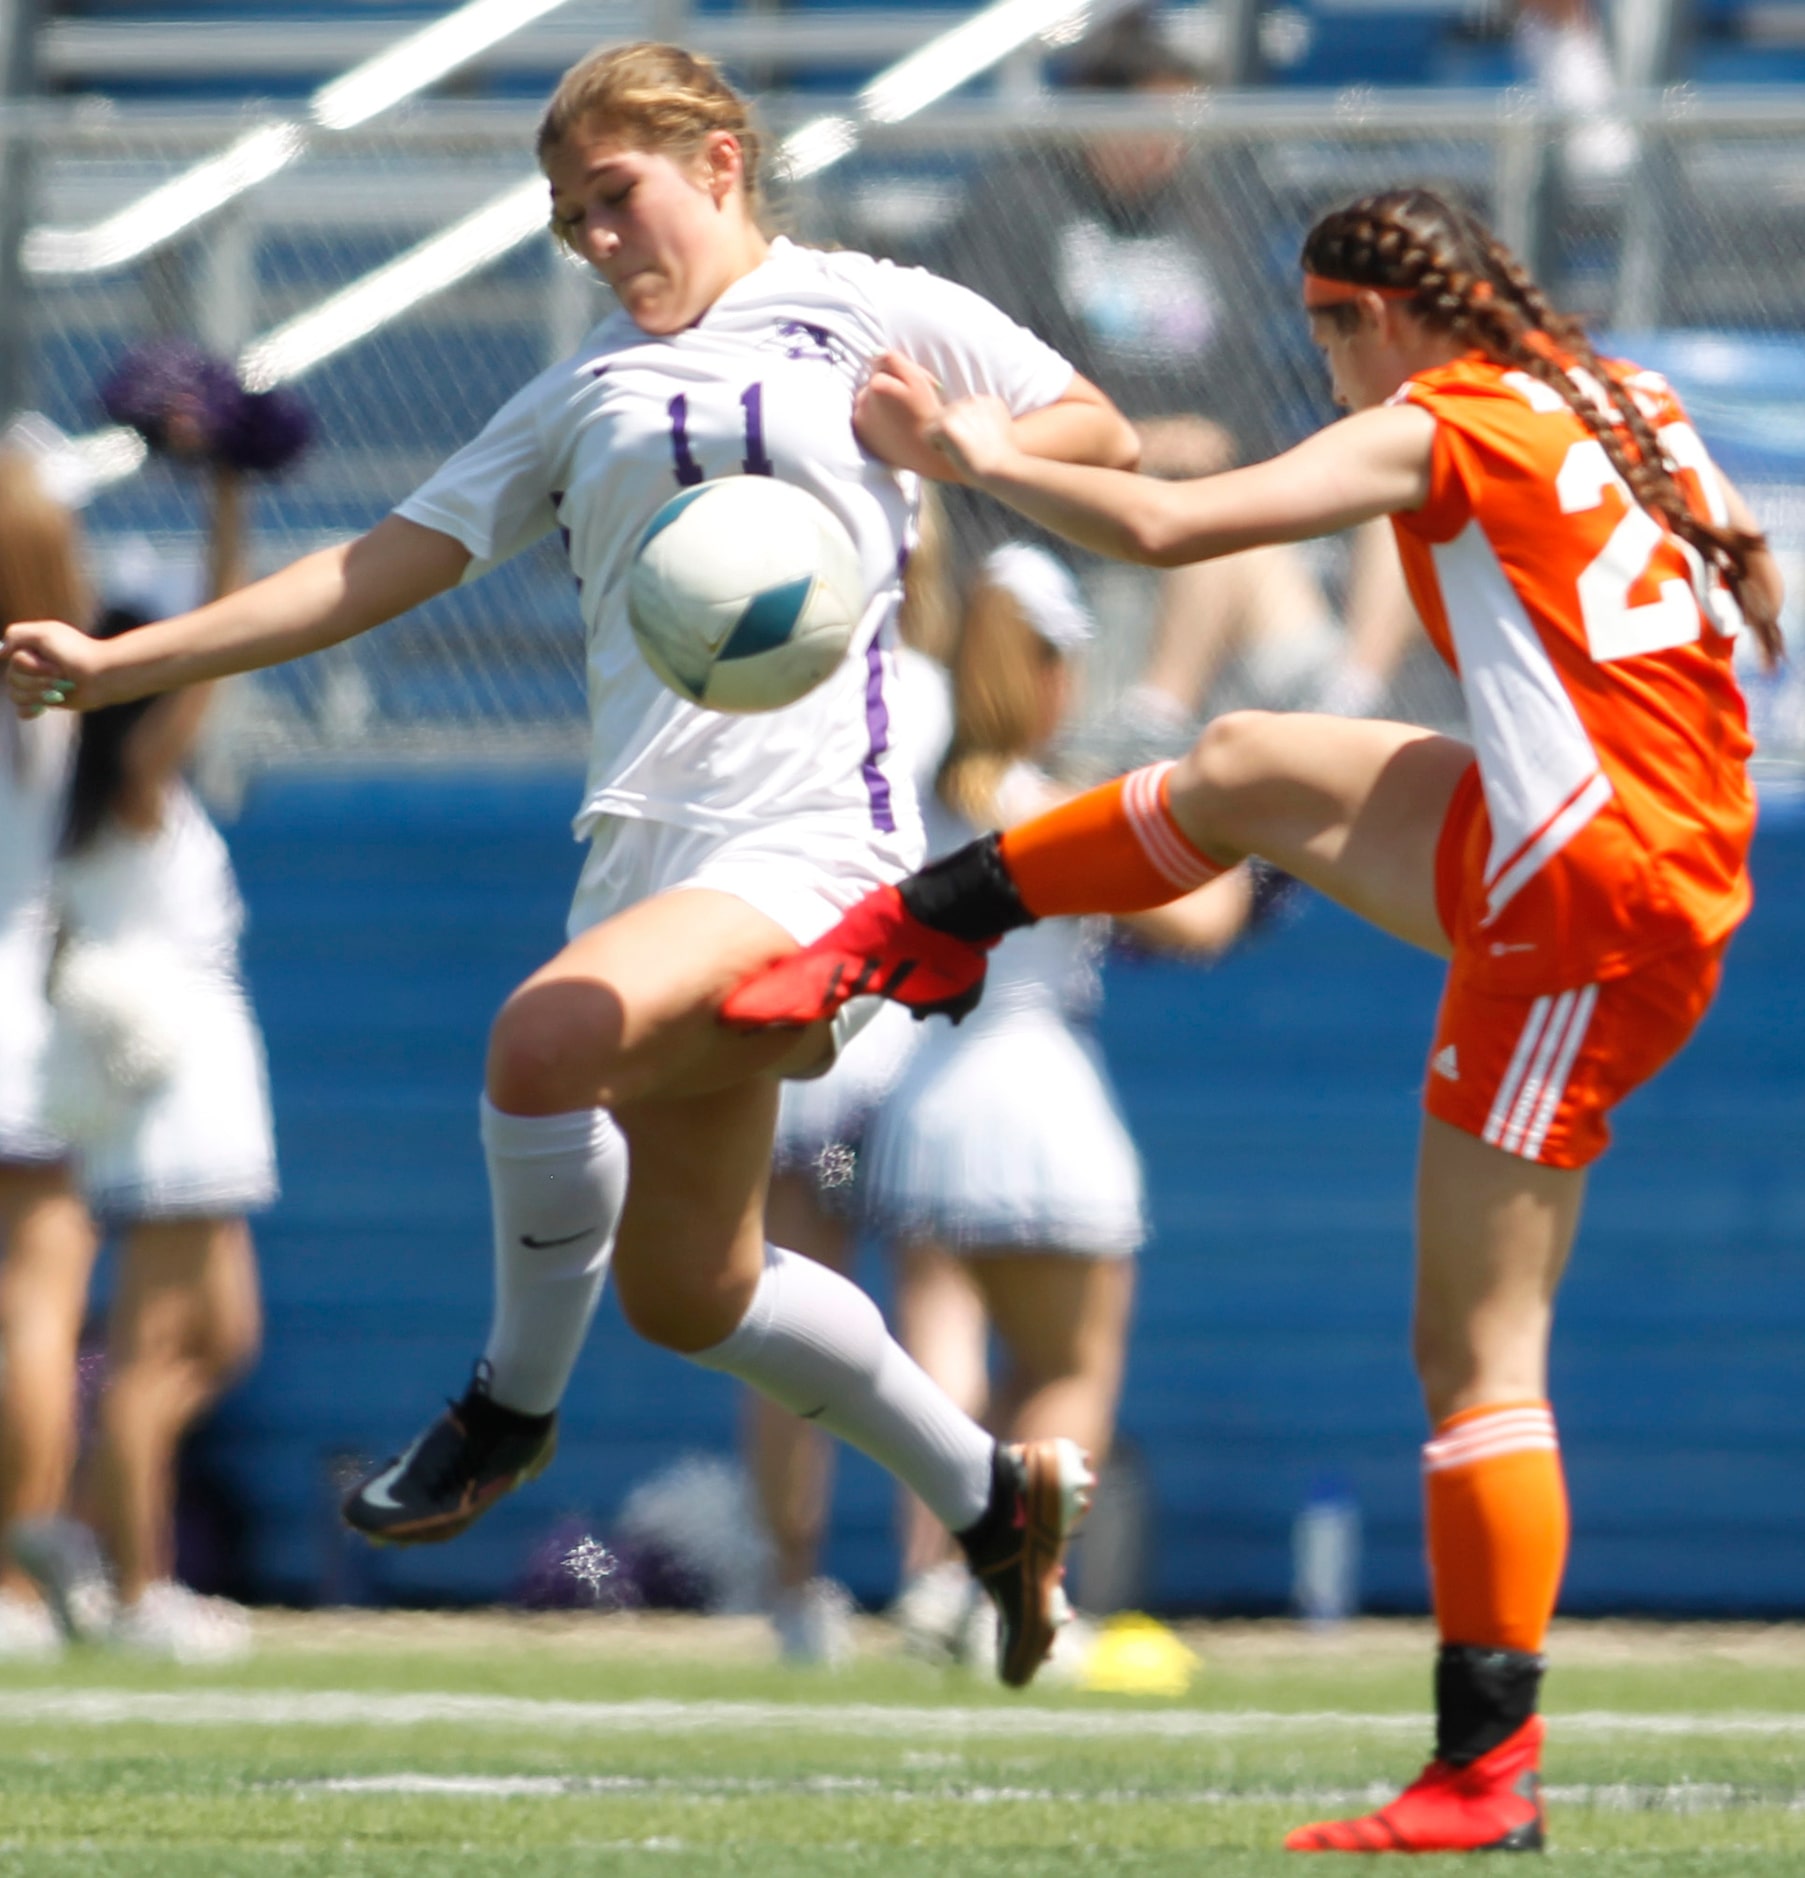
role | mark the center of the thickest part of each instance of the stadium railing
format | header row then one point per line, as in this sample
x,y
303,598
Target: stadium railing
x,y
1696,253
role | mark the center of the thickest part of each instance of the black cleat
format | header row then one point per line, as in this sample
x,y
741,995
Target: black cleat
x,y
1039,1495
476,1452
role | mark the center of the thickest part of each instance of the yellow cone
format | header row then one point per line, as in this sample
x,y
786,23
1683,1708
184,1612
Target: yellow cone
x,y
1137,1655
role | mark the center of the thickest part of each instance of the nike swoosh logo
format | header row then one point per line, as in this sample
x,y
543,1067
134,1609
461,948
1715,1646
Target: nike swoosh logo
x,y
814,1414
570,1238
377,1492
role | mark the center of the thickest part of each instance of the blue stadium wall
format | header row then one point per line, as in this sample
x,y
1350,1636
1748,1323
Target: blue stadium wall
x,y
1275,1100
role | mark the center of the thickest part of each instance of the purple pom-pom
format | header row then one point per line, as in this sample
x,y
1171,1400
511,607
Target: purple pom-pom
x,y
186,403
271,431
181,400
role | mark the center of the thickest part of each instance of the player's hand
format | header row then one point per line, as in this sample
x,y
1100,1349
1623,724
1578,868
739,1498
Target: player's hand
x,y
893,411
50,665
976,436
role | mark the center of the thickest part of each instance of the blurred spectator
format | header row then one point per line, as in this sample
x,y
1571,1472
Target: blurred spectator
x,y
154,1073
1562,42
1000,1169
1141,261
46,1241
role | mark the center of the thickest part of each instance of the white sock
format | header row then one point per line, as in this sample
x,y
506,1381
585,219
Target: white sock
x,y
814,1342
556,1187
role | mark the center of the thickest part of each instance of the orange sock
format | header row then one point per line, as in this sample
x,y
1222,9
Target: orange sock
x,y
1114,849
1497,1518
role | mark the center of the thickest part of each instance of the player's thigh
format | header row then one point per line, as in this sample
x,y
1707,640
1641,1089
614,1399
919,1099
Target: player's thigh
x,y
1058,1313
1494,1232
1352,806
626,1011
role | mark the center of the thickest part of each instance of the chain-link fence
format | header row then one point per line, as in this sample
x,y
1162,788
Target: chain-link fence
x,y
1154,239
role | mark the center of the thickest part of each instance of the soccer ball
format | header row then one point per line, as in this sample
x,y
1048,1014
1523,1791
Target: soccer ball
x,y
744,593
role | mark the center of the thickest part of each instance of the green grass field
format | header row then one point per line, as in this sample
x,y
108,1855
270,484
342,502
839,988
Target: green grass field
x,y
486,1745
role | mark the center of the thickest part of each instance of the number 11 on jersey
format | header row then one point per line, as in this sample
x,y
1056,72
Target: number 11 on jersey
x,y
756,461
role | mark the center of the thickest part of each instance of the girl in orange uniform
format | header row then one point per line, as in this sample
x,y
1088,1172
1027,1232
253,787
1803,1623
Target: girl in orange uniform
x,y
1580,861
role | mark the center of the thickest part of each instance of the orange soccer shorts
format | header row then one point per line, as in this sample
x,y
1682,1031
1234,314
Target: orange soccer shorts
x,y
1537,1076
1536,1071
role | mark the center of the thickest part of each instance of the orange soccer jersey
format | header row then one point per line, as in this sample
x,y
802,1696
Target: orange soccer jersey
x,y
1594,655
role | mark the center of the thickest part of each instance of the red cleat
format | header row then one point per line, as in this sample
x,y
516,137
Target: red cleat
x,y
879,949
1493,1805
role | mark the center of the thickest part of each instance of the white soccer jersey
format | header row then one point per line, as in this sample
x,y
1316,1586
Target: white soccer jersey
x,y
762,384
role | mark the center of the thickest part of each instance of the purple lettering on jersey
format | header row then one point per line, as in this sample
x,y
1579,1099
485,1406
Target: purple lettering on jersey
x,y
877,721
687,469
557,501
755,462
801,339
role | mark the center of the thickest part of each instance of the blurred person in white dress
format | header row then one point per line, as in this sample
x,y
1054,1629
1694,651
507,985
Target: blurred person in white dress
x,y
1130,251
156,1074
999,1170
46,1239
153,1073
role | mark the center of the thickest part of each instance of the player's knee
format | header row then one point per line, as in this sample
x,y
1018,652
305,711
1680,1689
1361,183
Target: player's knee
x,y
1230,756
668,1318
552,1048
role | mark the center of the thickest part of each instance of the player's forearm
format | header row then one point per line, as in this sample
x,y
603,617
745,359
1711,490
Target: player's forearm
x,y
315,602
1112,512
304,607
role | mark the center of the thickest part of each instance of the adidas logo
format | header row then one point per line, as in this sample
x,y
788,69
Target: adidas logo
x,y
1445,1063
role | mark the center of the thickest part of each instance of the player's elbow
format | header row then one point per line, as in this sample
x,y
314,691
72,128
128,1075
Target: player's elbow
x,y
1158,533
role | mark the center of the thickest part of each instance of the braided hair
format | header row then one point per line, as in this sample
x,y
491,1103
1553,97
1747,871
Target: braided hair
x,y
1461,279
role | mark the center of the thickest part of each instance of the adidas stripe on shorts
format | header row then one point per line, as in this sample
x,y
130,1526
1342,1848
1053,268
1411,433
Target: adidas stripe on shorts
x,y
1537,1076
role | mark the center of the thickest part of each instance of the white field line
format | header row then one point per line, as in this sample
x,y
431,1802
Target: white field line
x,y
345,1708
1680,1797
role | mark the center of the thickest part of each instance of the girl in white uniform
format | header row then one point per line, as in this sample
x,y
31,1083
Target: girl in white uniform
x,y
1000,1170
716,844
155,1073
46,1242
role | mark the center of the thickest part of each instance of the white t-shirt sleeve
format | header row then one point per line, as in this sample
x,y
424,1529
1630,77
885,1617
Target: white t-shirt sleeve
x,y
494,495
968,344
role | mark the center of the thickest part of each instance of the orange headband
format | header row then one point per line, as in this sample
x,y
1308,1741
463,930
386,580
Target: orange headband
x,y
1320,291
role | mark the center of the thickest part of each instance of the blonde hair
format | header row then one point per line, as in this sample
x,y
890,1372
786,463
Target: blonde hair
x,y
928,619
996,701
655,97
40,549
